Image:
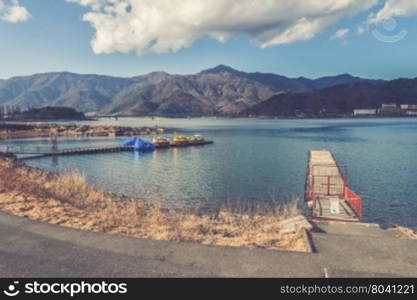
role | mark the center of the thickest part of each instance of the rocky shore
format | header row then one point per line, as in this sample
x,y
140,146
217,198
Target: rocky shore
x,y
44,130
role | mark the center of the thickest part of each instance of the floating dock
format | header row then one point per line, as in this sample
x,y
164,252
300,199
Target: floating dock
x,y
327,192
93,150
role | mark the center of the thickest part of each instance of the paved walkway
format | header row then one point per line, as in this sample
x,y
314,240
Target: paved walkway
x,y
35,249
364,250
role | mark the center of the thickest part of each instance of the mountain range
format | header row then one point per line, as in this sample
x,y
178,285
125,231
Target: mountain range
x,y
218,91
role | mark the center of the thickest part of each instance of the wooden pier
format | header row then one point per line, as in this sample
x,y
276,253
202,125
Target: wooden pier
x,y
327,192
94,150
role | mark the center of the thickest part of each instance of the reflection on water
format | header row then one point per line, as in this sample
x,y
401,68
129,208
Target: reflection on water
x,y
256,160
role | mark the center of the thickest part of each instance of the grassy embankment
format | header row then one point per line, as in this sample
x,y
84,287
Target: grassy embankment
x,y
68,200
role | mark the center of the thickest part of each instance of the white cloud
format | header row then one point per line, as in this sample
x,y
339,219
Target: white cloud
x,y
12,11
159,26
340,34
395,8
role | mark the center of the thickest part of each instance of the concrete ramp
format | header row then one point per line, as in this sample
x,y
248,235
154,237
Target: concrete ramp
x,y
364,250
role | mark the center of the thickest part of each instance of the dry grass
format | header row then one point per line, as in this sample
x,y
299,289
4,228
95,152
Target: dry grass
x,y
405,232
68,200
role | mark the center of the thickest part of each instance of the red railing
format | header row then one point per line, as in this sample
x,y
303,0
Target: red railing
x,y
354,201
334,185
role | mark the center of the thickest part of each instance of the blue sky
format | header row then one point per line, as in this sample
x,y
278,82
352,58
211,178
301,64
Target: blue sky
x,y
56,38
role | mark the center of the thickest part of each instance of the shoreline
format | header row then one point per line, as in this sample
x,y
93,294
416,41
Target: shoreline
x,y
14,130
257,118
67,199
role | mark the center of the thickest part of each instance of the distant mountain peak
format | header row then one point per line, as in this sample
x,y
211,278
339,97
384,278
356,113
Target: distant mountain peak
x,y
344,75
158,73
219,69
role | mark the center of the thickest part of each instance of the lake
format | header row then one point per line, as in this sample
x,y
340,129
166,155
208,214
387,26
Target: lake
x,y
255,161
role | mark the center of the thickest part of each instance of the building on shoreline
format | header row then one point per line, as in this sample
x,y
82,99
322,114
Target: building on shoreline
x,y
389,109
364,112
409,109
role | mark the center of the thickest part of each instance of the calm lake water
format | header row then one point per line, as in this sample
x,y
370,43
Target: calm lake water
x,y
256,160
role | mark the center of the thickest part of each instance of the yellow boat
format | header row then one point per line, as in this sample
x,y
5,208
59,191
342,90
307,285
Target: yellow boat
x,y
180,140
160,141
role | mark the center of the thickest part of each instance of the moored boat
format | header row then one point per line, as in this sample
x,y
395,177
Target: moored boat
x,y
160,141
195,139
180,140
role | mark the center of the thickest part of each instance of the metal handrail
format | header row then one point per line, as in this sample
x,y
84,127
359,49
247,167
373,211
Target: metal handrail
x,y
354,200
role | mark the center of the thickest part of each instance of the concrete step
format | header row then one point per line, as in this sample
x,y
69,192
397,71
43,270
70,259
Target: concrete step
x,y
356,229
337,218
